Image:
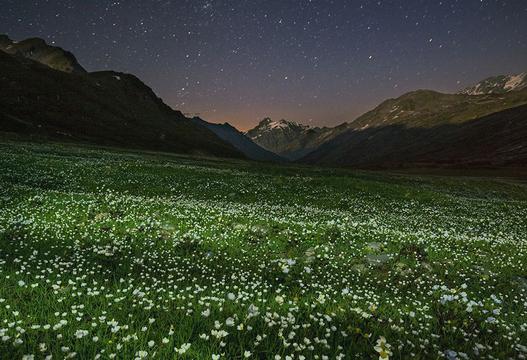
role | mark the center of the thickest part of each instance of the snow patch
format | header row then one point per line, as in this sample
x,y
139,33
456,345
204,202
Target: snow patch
x,y
476,90
282,124
515,81
278,125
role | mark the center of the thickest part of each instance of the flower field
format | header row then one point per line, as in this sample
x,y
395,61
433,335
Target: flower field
x,y
107,254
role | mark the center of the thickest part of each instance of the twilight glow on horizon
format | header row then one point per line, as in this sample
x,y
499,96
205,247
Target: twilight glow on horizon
x,y
317,62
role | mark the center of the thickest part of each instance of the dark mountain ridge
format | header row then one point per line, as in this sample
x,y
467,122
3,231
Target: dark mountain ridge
x,y
37,49
106,108
44,92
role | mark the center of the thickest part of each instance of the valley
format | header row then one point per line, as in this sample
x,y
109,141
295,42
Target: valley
x,y
47,94
269,180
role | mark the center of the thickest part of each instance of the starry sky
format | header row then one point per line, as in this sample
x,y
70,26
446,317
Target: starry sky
x,y
318,62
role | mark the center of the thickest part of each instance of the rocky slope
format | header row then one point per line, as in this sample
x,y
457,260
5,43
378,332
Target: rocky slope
x,y
289,139
37,49
498,85
241,142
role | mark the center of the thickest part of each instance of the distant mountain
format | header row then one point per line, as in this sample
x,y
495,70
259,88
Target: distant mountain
x,y
421,108
106,108
46,93
429,128
426,108
290,139
37,49
498,85
241,142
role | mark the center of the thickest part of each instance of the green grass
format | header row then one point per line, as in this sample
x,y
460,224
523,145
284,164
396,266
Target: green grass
x,y
233,257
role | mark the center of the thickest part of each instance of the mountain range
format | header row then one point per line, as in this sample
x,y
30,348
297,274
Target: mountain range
x,y
483,127
494,140
498,85
46,93
290,139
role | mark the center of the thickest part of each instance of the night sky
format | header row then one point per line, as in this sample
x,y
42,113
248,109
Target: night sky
x,y
318,62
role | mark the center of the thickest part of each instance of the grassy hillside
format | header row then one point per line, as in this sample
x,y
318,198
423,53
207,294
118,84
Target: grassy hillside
x,y
425,109
430,129
493,141
133,255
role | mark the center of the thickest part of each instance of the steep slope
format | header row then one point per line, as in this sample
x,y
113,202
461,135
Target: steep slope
x,y
289,139
421,127
37,49
498,85
106,108
241,142
498,139
426,108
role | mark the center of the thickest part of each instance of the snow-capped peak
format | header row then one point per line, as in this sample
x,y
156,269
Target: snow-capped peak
x,y
516,82
268,124
282,124
498,85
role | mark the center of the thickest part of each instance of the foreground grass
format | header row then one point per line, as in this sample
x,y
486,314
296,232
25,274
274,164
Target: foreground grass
x,y
123,255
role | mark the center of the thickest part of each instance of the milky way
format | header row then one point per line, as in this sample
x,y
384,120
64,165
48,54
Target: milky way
x,y
312,61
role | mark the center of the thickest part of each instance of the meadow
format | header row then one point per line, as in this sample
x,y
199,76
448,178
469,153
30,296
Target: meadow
x,y
111,254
